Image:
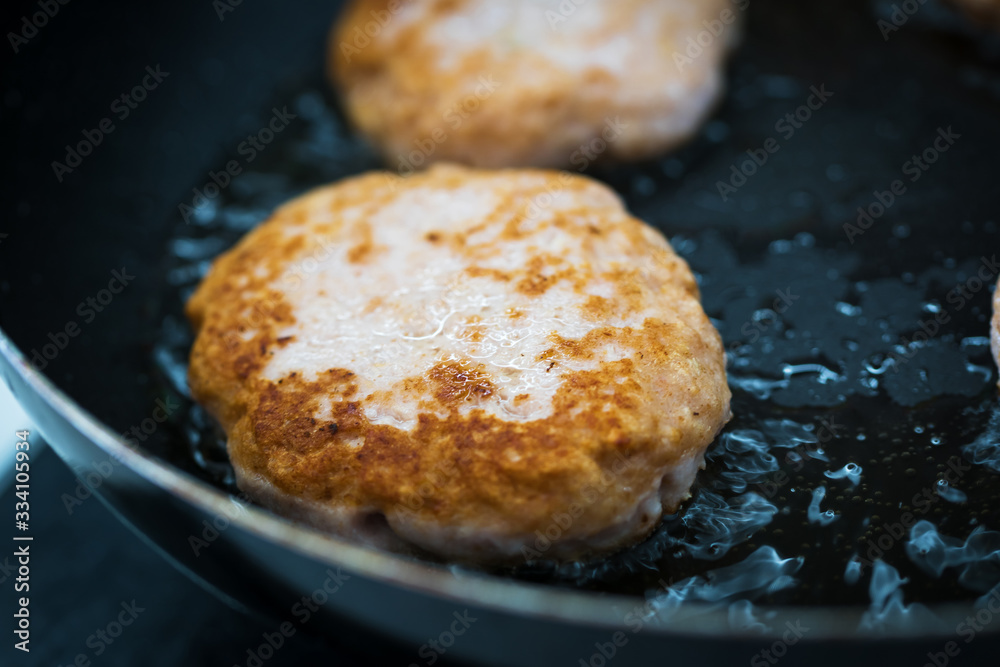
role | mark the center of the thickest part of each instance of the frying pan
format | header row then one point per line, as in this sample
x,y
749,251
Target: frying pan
x,y
92,374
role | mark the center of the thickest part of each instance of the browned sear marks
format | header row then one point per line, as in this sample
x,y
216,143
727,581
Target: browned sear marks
x,y
456,383
646,383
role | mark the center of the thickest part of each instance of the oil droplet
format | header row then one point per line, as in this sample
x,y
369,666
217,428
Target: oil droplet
x,y
848,309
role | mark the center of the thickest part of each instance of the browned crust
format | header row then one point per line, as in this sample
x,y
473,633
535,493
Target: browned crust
x,y
397,93
658,407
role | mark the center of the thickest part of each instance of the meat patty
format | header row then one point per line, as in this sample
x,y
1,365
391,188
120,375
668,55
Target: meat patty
x,y
483,365
548,83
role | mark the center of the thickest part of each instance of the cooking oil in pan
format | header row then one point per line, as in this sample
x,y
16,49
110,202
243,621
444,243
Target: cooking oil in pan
x,y
861,466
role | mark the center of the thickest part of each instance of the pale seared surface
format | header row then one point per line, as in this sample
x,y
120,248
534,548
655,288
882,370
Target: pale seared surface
x,y
465,353
525,83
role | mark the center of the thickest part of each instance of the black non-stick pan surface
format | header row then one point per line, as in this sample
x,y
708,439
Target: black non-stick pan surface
x,y
839,209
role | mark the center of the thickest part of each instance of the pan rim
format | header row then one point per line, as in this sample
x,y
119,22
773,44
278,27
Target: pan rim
x,y
485,590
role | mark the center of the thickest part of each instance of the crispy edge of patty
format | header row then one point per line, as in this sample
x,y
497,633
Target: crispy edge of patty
x,y
290,462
